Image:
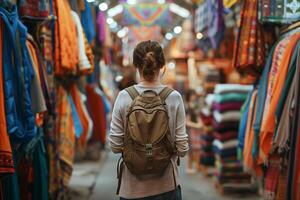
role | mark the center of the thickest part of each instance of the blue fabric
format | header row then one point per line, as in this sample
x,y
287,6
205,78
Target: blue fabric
x,y
261,98
18,73
76,119
88,23
243,121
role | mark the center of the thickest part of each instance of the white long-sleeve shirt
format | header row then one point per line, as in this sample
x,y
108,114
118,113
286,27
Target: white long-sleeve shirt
x,y
138,187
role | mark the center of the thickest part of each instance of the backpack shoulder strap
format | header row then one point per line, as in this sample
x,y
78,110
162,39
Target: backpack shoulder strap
x,y
133,93
165,93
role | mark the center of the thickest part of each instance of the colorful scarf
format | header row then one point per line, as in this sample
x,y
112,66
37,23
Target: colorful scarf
x,y
250,49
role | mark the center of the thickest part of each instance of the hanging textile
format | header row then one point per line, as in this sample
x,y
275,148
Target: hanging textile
x,y
6,158
34,9
209,21
146,14
277,77
96,110
87,22
252,41
66,136
142,33
66,44
18,73
83,115
284,12
84,65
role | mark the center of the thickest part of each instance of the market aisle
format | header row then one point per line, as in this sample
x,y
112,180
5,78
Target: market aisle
x,y
195,187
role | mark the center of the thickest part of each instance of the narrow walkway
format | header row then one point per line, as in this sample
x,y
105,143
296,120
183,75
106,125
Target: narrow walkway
x,y
194,187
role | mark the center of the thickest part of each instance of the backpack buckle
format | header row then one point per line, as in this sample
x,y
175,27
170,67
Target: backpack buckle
x,y
149,149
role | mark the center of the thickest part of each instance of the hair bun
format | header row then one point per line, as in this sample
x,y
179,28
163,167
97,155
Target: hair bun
x,y
150,61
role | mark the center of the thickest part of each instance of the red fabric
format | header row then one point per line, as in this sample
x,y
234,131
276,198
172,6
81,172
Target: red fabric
x,y
96,109
296,181
272,177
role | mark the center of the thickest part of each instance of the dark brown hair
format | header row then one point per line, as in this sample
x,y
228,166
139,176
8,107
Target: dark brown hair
x,y
148,57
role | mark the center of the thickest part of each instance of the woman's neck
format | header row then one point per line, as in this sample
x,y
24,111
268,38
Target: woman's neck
x,y
150,83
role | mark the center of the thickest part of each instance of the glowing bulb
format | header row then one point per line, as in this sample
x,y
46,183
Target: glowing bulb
x,y
199,36
177,29
103,6
169,36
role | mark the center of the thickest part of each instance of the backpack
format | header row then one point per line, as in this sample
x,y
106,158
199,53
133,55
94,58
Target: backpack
x,y
148,146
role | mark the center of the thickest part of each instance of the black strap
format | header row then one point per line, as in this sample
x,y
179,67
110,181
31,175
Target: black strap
x,y
133,93
165,93
120,168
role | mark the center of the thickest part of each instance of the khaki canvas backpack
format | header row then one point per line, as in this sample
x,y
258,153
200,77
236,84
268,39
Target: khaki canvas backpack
x,y
148,146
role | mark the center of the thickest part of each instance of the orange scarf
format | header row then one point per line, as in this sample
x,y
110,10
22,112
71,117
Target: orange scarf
x,y
277,76
66,45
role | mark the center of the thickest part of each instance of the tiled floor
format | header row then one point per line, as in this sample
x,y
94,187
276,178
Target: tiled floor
x,y
97,181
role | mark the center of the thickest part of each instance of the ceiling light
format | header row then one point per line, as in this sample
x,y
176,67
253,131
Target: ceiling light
x,y
179,10
131,2
122,33
161,1
169,36
115,10
90,1
103,6
177,29
199,36
110,20
171,65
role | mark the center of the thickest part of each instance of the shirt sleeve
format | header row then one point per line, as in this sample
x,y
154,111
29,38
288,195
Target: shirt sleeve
x,y
181,137
116,137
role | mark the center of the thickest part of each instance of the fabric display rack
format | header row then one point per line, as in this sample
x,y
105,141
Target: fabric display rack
x,y
269,137
211,78
227,101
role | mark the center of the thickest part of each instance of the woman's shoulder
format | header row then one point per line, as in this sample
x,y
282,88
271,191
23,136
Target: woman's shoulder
x,y
175,97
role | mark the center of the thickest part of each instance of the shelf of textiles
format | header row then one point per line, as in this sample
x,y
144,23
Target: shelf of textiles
x,y
211,77
45,121
227,102
269,139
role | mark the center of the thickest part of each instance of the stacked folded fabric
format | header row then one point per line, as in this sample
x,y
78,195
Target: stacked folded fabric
x,y
228,100
207,157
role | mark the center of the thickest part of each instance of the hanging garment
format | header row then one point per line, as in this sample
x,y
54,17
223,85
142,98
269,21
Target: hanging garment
x,y
244,121
272,177
277,77
6,158
34,9
97,112
76,120
66,43
249,162
285,12
66,135
84,64
38,104
101,23
18,73
83,116
87,22
294,144
252,41
33,172
285,111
